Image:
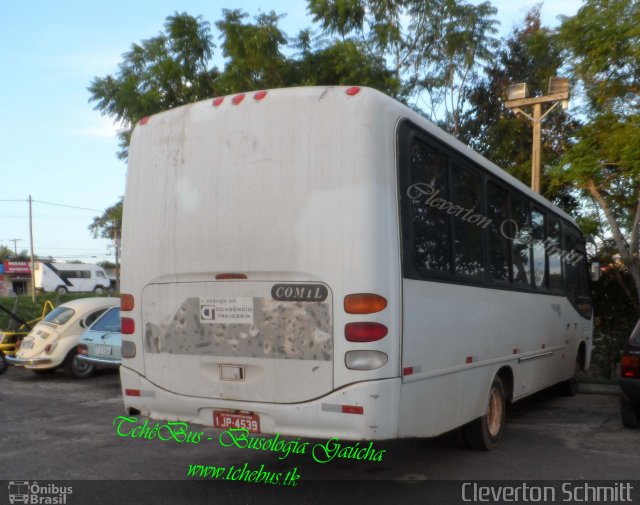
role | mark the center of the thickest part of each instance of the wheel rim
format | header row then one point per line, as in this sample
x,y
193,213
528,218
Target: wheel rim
x,y
495,412
79,366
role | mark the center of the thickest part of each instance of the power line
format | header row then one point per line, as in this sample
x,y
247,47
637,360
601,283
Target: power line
x,y
68,206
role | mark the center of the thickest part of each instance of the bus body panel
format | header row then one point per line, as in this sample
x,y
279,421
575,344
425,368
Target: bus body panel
x,y
320,418
301,188
215,181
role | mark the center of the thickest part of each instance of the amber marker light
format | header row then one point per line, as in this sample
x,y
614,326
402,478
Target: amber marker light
x,y
126,302
364,303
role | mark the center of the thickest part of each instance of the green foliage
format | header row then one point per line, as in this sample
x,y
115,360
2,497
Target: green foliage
x,y
160,73
435,47
603,160
109,224
255,59
529,54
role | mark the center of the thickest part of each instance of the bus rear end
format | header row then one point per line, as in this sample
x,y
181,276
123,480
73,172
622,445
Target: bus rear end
x,y
261,264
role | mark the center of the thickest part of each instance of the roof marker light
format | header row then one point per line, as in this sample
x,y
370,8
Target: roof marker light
x,y
237,99
259,95
217,102
144,120
353,90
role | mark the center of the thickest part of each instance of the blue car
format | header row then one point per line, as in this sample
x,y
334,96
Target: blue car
x,y
102,342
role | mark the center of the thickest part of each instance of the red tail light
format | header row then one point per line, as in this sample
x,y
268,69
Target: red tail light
x,y
132,392
128,326
630,366
82,349
365,332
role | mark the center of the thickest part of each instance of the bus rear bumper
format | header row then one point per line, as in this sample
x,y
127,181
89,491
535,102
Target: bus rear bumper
x,y
362,411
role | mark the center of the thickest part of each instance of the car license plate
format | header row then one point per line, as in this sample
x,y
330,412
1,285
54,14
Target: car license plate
x,y
26,344
225,420
103,350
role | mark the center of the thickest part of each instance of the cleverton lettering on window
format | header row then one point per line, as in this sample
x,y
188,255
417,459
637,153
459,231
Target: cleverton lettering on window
x,y
237,310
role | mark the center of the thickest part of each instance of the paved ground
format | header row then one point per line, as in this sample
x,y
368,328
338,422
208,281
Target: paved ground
x,y
56,428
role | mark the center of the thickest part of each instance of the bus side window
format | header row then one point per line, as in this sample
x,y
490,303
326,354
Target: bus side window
x,y
521,252
468,221
499,246
553,248
539,259
430,227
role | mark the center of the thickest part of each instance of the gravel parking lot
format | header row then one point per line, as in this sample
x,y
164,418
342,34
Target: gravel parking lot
x,y
54,428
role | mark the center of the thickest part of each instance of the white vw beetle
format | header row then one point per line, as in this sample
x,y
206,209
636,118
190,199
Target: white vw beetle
x,y
53,341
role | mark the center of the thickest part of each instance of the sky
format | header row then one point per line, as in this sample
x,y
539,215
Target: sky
x,y
55,147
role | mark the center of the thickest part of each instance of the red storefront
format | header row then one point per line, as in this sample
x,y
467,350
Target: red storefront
x,y
15,278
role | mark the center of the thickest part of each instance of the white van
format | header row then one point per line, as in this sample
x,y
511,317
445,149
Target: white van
x,y
70,277
325,262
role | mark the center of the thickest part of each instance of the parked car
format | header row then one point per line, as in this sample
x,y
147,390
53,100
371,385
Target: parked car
x,y
100,344
53,342
630,381
18,329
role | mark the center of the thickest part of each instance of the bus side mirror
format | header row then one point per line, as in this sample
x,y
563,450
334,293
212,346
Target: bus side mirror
x,y
595,271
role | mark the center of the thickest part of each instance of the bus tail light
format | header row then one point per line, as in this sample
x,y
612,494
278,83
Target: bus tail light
x,y
365,360
128,349
365,332
364,303
630,366
132,392
126,302
128,326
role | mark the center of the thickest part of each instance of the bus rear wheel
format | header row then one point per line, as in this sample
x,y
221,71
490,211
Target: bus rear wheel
x,y
61,290
485,432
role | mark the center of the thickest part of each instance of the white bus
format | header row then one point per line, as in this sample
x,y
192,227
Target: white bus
x,y
70,277
324,262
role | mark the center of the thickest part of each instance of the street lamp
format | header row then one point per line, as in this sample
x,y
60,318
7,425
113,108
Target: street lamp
x,y
518,96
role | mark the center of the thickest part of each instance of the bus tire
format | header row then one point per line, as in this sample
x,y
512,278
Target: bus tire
x,y
630,414
98,290
570,386
3,363
485,432
61,290
75,368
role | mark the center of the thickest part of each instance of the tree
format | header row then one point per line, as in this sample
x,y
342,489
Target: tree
x,y
529,54
435,47
171,69
109,224
603,43
165,71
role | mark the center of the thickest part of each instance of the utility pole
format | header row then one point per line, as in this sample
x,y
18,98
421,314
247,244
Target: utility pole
x,y
33,275
517,97
15,244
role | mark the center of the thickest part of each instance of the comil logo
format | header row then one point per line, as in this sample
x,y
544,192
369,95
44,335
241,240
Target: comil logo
x,y
21,491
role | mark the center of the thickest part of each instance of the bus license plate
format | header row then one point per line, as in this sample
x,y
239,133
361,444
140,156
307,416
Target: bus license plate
x,y
225,420
103,350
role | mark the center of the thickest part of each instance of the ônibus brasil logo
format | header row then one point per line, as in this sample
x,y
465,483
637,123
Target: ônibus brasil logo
x,y
22,491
